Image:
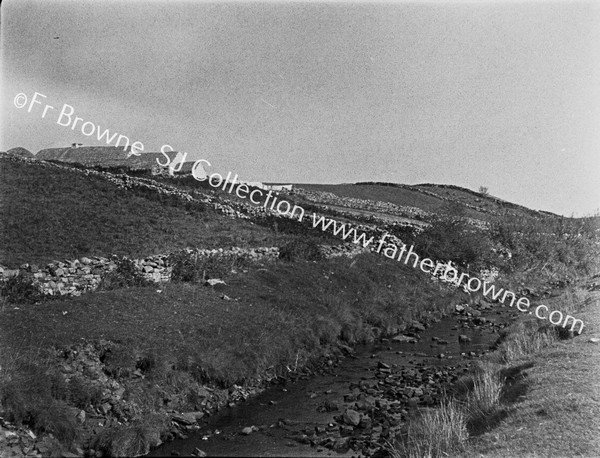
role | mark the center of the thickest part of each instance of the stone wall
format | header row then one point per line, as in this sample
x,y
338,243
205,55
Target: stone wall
x,y
324,197
74,277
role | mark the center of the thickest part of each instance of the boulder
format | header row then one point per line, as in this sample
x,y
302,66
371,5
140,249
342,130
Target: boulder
x,y
351,417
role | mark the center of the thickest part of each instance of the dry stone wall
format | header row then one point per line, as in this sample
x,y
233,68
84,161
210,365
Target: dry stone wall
x,y
74,277
363,204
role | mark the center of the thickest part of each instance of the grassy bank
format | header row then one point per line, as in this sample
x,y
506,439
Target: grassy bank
x,y
536,395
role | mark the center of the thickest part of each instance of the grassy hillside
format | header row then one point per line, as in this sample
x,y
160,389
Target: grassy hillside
x,y
50,214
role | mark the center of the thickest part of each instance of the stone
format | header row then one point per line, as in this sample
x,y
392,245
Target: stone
x,y
247,430
403,338
198,452
365,422
463,338
188,418
214,282
342,444
417,326
594,339
351,417
80,417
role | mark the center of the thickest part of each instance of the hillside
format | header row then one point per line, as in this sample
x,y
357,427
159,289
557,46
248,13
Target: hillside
x,y
441,199
50,213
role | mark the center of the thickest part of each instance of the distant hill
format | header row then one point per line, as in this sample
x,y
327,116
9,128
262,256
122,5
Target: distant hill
x,y
109,157
21,152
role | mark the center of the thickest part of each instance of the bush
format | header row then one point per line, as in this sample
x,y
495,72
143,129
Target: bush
x,y
34,395
191,267
126,275
20,290
306,250
551,248
454,239
82,393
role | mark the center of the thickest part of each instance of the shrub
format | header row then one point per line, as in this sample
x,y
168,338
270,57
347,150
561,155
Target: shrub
x,y
191,267
306,250
34,395
82,393
126,275
186,267
454,239
20,290
119,360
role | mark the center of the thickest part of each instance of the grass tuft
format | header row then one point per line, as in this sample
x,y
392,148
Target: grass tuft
x,y
437,432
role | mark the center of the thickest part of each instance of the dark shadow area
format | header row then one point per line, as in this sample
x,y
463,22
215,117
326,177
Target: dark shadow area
x,y
482,423
516,385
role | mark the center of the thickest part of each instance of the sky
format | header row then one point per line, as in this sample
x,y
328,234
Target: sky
x,y
472,93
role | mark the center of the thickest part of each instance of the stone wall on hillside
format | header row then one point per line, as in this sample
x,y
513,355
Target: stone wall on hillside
x,y
363,204
82,275
74,277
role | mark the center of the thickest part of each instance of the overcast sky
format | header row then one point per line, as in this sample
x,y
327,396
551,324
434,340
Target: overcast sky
x,y
500,94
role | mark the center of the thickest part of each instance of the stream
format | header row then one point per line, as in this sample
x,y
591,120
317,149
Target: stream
x,y
359,404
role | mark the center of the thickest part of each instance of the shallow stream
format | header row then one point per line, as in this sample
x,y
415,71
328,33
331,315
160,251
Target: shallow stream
x,y
382,382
